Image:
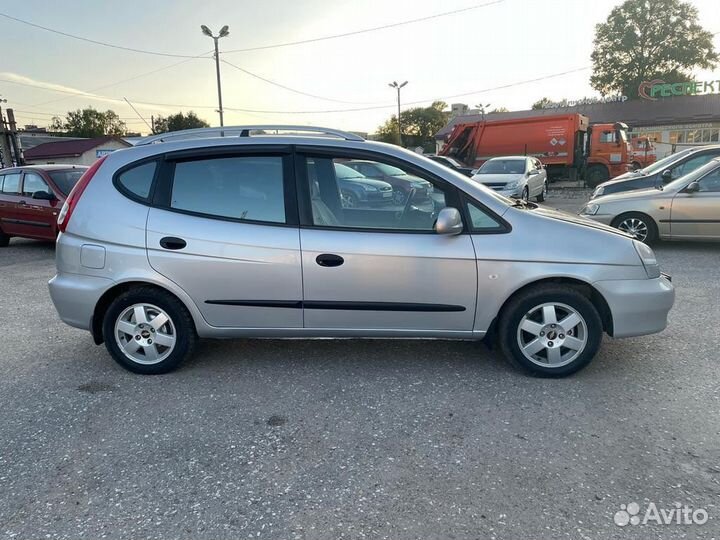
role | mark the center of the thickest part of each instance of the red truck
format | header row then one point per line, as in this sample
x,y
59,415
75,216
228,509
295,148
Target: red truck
x,y
643,152
566,144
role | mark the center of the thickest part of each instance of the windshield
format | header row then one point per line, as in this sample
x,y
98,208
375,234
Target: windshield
x,y
664,162
450,160
503,166
66,180
694,175
389,170
345,172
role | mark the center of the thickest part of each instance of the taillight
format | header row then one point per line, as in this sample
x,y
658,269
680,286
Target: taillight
x,y
75,193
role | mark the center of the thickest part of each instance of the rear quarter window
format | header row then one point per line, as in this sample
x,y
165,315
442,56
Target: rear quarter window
x,y
138,180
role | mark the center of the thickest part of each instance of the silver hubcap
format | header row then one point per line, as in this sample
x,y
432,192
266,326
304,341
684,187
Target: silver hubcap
x,y
552,335
145,334
348,201
635,227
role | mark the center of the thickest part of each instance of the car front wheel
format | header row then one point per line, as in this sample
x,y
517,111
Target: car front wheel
x,y
550,330
148,331
543,193
638,225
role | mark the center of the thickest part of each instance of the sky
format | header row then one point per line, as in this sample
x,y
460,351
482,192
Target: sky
x,y
499,44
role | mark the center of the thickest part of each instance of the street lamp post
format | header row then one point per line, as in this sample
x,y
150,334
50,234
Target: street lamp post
x,y
397,87
482,110
224,31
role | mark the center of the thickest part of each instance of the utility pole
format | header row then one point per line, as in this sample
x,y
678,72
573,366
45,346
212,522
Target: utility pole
x,y
14,140
397,87
224,31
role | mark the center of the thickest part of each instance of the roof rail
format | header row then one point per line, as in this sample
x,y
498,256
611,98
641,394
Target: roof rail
x,y
242,131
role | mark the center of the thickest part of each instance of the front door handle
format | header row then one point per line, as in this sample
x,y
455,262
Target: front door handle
x,y
328,259
171,242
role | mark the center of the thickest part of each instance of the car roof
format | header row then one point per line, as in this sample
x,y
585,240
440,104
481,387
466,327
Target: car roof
x,y
508,157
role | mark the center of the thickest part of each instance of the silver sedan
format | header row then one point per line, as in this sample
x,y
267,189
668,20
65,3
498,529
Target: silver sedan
x,y
685,209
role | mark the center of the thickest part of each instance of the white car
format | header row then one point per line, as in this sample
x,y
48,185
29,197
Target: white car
x,y
520,177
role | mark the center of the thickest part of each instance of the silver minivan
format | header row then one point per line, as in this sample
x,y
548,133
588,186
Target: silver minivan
x,y
234,232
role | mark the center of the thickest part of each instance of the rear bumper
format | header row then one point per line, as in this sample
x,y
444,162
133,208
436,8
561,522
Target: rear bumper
x,y
75,297
638,307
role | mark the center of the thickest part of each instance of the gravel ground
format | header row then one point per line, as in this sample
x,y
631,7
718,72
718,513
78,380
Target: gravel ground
x,y
355,439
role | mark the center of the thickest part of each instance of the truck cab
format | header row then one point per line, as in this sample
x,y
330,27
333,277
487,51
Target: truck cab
x,y
608,152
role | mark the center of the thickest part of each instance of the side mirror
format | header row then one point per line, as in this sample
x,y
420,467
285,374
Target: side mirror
x,y
692,187
43,196
666,174
449,221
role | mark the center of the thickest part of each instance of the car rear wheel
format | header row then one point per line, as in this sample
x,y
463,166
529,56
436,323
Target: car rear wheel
x,y
639,225
4,239
148,331
550,330
543,193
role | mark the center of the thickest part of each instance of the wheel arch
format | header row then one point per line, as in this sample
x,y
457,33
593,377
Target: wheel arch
x,y
116,290
583,287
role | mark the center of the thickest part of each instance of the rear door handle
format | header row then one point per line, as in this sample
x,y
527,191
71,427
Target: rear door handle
x,y
171,242
328,259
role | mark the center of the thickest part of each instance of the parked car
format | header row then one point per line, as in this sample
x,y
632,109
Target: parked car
x,y
686,209
453,164
189,235
31,198
520,177
358,190
661,172
403,184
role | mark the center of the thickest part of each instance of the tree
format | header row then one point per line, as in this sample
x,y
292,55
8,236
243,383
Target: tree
x,y
176,122
89,123
643,40
419,125
499,109
541,103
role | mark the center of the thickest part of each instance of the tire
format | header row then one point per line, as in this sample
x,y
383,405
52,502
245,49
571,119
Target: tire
x,y
4,239
525,194
349,199
543,193
544,346
636,165
399,197
640,225
596,175
178,332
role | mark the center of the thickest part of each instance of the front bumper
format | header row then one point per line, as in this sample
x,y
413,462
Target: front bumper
x,y
638,307
605,219
75,297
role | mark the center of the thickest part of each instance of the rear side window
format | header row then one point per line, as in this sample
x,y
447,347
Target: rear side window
x,y
246,188
33,183
138,180
11,185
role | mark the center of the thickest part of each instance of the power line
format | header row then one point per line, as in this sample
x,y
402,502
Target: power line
x,y
420,101
274,83
365,30
262,47
202,55
354,109
94,41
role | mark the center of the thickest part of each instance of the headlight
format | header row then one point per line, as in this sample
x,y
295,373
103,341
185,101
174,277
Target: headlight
x,y
599,191
590,210
647,256
368,187
512,185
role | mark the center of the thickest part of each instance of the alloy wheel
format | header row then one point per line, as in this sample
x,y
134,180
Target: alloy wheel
x,y
399,196
552,334
635,227
145,334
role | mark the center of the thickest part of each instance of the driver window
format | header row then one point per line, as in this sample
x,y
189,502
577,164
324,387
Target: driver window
x,y
343,195
690,165
711,182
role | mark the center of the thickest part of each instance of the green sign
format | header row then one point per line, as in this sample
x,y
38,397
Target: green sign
x,y
657,88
